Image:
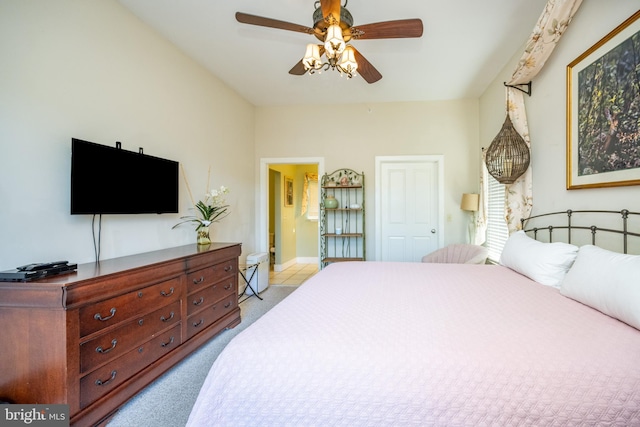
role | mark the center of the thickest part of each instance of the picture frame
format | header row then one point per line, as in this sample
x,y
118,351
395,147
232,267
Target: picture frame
x,y
603,138
288,191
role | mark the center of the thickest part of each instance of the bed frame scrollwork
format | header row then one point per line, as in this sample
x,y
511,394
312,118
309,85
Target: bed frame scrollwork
x,y
571,227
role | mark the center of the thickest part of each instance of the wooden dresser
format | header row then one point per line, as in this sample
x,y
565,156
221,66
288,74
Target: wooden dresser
x,y
94,338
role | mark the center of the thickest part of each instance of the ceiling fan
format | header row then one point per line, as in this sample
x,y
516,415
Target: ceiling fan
x,y
333,26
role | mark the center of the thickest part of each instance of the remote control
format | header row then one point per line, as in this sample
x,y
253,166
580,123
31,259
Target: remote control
x,y
41,266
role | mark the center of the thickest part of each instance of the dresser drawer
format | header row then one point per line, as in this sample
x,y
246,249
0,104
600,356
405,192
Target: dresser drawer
x,y
202,298
201,278
201,320
116,342
112,311
103,380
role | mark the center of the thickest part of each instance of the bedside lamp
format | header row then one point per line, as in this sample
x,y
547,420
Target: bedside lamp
x,y
470,202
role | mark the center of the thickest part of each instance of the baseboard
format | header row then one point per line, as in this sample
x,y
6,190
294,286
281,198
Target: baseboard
x,y
294,261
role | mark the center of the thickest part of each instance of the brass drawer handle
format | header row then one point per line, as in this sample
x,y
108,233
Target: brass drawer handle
x,y
198,302
97,316
200,280
113,377
164,294
229,286
165,319
227,305
195,325
228,268
103,351
165,344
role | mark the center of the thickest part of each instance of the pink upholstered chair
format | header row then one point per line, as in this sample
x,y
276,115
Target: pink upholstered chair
x,y
460,253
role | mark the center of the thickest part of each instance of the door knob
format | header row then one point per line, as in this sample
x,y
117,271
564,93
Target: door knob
x,y
433,231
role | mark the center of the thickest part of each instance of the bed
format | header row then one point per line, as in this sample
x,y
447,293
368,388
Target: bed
x,y
414,344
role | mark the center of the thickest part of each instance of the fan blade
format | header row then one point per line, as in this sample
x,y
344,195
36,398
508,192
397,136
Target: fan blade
x,y
404,28
330,7
365,69
298,69
271,23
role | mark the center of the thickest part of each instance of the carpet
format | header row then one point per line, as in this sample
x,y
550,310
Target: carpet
x,y
168,401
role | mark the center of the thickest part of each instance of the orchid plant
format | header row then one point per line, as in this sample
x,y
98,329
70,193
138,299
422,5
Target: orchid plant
x,y
208,210
211,209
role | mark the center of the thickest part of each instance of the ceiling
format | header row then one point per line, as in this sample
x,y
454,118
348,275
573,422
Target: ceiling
x,y
464,46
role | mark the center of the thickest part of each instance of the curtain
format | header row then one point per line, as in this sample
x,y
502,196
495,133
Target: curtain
x,y
481,216
309,195
546,34
518,196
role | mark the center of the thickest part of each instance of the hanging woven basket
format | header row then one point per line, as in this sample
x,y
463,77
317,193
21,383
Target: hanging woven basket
x,y
508,155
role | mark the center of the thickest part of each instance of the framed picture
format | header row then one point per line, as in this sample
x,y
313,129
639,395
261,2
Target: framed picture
x,y
288,191
603,111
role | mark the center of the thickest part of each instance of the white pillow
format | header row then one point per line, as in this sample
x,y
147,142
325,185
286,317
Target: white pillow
x,y
607,281
546,263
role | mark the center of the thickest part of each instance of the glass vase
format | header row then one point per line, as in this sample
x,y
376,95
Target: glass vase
x,y
203,235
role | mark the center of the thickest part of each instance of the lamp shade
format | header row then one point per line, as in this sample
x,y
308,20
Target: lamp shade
x,y
508,155
470,202
334,42
348,62
311,57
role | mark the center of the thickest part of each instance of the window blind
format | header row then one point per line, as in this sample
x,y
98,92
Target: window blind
x,y
312,200
497,231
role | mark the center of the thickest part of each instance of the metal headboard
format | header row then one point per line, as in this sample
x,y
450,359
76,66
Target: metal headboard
x,y
624,215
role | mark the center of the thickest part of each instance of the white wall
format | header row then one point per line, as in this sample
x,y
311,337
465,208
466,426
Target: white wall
x,y
352,135
546,112
92,70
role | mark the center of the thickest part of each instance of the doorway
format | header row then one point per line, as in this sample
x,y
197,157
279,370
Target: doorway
x,y
409,207
273,203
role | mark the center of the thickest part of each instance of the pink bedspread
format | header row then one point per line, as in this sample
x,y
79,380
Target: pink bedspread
x,y
413,344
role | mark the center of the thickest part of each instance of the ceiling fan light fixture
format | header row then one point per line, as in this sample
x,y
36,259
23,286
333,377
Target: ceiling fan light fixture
x,y
333,27
334,43
311,58
348,63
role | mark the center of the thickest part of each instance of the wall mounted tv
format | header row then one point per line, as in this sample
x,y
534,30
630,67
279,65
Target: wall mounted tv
x,y
110,180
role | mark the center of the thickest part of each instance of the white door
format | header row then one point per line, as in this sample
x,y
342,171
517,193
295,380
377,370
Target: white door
x,y
409,207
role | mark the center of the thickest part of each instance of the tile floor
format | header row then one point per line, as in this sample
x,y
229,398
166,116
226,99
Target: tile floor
x,y
294,275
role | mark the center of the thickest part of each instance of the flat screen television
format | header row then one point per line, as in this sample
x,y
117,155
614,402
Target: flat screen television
x,y
110,180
